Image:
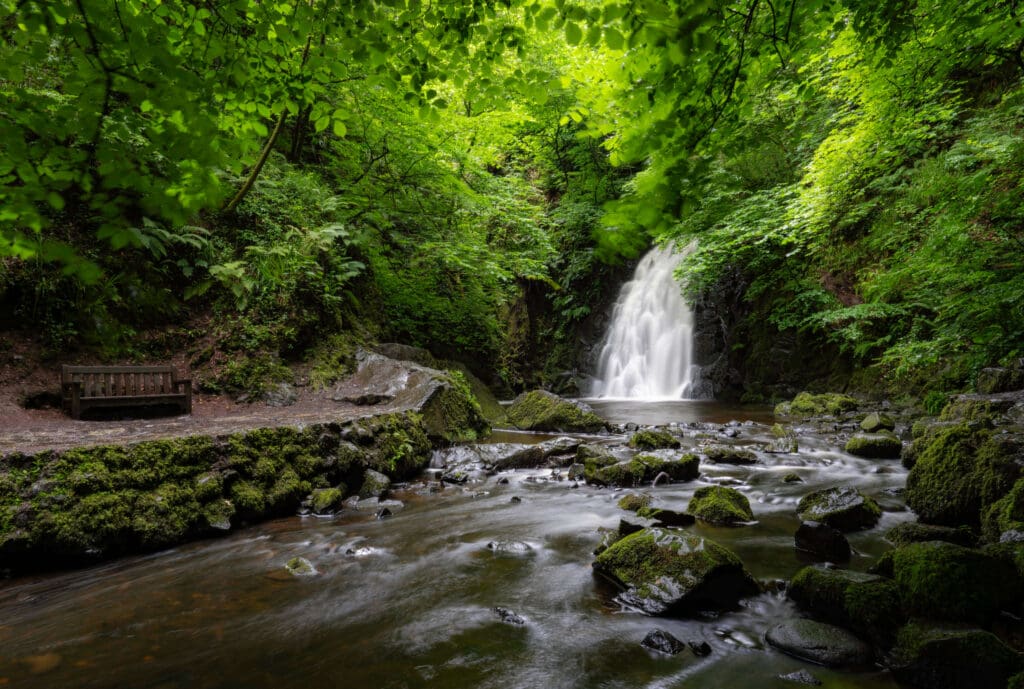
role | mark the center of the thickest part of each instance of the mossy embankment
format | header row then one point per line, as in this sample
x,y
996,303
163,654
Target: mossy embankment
x,y
62,508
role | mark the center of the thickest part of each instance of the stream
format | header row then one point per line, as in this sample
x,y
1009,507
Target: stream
x,y
408,601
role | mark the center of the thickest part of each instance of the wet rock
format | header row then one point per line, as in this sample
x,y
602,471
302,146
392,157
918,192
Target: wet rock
x,y
510,547
501,456
700,648
806,405
875,422
576,471
866,603
384,513
801,677
726,454
300,567
559,447
875,445
509,617
663,642
515,500
720,505
822,541
995,380
218,514
600,455
653,440
540,410
375,484
458,476
666,517
846,509
914,532
503,481
642,469
819,643
947,658
665,572
792,478
367,399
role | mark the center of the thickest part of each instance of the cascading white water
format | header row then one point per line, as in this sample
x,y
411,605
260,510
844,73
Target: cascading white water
x,y
648,351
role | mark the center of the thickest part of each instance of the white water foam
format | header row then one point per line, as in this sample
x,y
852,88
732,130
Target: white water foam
x,y
647,353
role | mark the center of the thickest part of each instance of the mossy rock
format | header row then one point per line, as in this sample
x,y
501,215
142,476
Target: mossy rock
x,y
877,421
823,644
667,572
300,567
960,471
634,502
217,515
874,445
1005,514
375,485
726,454
640,470
653,440
865,603
326,501
915,532
952,658
540,410
666,517
944,581
453,414
600,454
720,505
806,405
846,509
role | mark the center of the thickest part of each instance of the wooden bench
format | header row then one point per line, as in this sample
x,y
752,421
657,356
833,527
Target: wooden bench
x,y
85,387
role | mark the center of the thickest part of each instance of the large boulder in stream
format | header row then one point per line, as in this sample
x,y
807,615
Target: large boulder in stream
x,y
450,411
541,410
868,604
653,439
882,445
668,572
934,657
846,509
806,405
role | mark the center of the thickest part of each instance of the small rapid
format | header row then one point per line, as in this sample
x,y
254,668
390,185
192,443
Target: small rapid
x,y
648,350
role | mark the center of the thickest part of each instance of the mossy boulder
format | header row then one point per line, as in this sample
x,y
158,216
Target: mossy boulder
x,y
667,572
375,485
727,454
720,505
600,454
452,413
960,471
541,410
300,567
995,380
944,581
653,440
865,603
935,657
915,532
666,517
846,509
882,445
641,469
806,405
877,421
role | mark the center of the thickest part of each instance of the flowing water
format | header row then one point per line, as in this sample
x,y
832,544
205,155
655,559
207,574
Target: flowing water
x,y
408,601
648,350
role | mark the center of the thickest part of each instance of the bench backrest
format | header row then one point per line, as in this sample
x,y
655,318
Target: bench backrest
x,y
121,381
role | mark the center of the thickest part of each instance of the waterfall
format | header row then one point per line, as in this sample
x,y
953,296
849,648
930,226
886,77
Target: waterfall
x,y
648,350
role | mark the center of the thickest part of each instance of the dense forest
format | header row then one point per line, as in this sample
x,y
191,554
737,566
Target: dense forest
x,y
277,183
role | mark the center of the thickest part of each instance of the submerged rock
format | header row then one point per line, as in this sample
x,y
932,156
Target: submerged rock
x,y
509,617
510,547
720,505
819,643
663,642
875,445
945,658
846,509
666,572
540,410
823,541
300,567
801,677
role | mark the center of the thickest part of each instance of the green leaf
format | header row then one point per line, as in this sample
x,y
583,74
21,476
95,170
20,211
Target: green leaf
x,y
573,33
